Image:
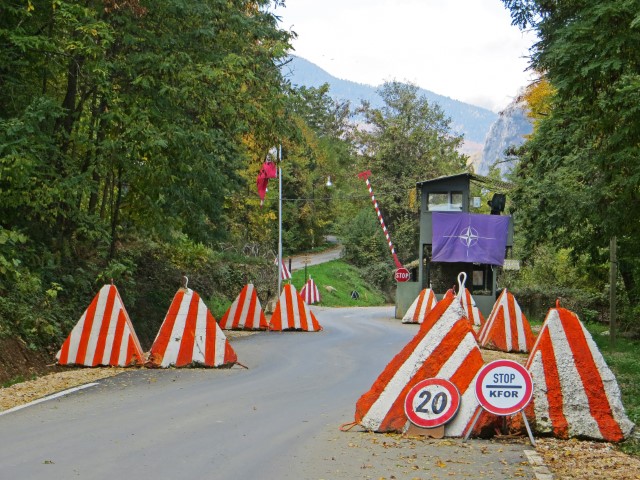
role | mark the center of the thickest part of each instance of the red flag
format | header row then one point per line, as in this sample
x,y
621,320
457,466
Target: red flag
x,y
267,171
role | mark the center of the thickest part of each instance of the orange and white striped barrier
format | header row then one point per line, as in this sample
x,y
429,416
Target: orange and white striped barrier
x,y
507,328
575,393
189,335
310,293
245,313
104,335
285,274
291,313
445,347
420,307
469,304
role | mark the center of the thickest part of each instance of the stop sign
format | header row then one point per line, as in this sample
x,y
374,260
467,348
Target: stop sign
x,y
402,275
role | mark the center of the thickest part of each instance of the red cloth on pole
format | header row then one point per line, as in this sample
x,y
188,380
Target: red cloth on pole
x,y
267,171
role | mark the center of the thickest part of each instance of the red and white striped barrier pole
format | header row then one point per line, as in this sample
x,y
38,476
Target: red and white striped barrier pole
x,y
365,176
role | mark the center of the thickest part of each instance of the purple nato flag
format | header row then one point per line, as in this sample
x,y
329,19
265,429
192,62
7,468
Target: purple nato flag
x,y
469,237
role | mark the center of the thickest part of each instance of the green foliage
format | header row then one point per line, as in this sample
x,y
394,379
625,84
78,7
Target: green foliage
x,y
9,242
123,133
363,239
406,141
32,311
624,361
577,180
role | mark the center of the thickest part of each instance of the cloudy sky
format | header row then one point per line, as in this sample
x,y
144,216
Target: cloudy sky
x,y
464,49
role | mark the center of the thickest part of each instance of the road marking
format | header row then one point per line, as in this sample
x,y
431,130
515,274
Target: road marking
x,y
48,397
539,468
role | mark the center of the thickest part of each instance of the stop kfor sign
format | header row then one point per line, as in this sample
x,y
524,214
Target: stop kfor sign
x,y
432,402
504,387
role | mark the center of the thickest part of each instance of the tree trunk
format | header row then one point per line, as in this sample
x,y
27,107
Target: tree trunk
x,y
115,217
630,284
100,135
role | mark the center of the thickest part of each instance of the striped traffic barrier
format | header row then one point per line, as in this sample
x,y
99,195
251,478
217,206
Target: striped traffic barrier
x,y
245,313
469,304
575,393
365,176
445,347
189,335
310,293
507,328
291,313
285,274
104,335
421,306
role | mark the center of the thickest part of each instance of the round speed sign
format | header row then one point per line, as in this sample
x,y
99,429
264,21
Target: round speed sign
x,y
432,402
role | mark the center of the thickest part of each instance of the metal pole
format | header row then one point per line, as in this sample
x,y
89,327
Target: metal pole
x,y
279,221
613,279
365,176
526,424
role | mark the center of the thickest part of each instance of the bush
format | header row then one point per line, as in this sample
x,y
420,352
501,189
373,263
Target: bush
x,y
363,240
536,302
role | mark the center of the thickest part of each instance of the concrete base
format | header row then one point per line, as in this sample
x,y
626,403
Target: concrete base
x,y
406,293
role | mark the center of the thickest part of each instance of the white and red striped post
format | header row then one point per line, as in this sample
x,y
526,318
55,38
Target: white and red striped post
x,y
365,176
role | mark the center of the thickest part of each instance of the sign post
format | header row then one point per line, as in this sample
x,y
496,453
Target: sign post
x,y
431,403
503,387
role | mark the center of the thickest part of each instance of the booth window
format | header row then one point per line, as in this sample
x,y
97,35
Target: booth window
x,y
445,201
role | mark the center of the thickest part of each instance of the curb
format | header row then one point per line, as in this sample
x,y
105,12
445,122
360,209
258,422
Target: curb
x,y
539,468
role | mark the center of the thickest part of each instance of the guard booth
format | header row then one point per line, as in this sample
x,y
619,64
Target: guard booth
x,y
440,200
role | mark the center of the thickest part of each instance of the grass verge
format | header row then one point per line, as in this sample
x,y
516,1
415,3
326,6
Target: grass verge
x,y
624,361
336,280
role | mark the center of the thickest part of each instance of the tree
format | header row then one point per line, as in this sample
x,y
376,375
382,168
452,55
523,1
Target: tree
x,y
317,149
131,120
579,174
403,142
125,123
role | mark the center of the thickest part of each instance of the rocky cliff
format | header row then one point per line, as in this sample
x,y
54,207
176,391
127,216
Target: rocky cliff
x,y
509,130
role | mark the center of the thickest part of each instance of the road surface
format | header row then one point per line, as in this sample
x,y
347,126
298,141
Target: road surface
x,y
298,262
278,419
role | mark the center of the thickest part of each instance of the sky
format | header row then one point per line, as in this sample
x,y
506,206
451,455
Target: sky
x,y
464,49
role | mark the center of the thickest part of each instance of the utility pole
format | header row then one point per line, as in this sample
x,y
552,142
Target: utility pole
x,y
279,221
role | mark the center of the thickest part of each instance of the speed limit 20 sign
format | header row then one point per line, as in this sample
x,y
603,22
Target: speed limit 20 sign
x,y
432,402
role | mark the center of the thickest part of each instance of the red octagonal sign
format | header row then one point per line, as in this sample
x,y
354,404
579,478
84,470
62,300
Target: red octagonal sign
x,y
402,275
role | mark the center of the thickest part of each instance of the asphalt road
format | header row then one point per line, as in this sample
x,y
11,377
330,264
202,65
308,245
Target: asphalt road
x,y
278,419
298,262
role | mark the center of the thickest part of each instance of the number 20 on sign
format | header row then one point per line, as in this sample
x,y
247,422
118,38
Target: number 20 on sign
x,y
432,402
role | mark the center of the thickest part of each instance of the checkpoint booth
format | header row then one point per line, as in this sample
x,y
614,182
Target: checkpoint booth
x,y
455,237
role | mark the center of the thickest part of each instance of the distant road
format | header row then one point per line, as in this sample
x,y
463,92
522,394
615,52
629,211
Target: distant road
x,y
298,262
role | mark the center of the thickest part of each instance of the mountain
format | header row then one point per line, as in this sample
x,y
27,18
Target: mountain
x,y
509,130
471,121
